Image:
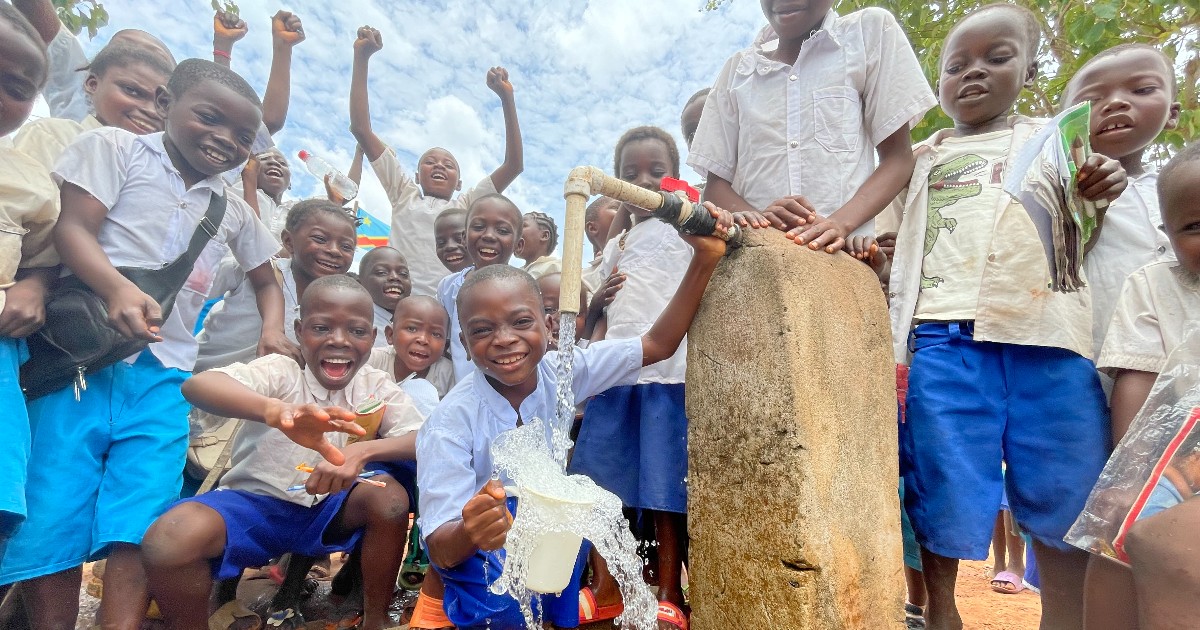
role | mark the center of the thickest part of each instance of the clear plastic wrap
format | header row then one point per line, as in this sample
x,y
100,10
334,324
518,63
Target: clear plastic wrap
x,y
1151,468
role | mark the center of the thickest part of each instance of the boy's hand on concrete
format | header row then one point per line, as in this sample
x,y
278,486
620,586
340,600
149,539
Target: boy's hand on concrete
x,y
275,342
751,219
866,249
887,244
228,28
485,517
822,233
307,425
286,29
134,314
369,42
790,212
1101,177
497,80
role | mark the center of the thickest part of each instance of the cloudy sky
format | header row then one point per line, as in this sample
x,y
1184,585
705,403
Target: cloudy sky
x,y
583,73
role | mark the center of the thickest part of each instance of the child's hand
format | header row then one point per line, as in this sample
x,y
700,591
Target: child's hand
x,y
485,517
327,478
866,249
1101,178
751,219
606,293
275,342
497,80
368,43
887,244
24,309
712,245
307,425
286,29
134,314
250,171
332,194
790,212
228,28
824,233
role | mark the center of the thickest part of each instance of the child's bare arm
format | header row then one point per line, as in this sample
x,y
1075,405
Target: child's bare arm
x,y
25,302
286,32
327,478
514,151
250,184
355,173
41,15
484,525
227,30
270,306
368,43
895,168
1130,391
596,321
664,337
133,313
306,425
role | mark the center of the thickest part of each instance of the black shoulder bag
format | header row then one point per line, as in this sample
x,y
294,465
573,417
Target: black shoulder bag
x,y
77,338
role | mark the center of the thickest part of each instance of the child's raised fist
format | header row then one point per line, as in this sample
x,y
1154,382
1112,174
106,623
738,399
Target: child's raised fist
x,y
485,517
497,80
286,29
227,29
369,41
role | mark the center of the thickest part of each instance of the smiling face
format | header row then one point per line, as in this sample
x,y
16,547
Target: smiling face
x,y
492,226
504,330
1181,213
274,174
384,273
336,331
644,163
450,240
795,19
985,64
533,240
437,173
418,333
124,97
209,129
22,73
322,245
1131,95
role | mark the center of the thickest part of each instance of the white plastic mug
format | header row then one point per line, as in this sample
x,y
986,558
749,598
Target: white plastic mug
x,y
553,558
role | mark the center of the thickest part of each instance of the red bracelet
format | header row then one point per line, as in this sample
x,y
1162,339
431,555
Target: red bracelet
x,y
221,53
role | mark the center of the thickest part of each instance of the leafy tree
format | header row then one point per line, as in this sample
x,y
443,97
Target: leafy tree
x,y
1073,31
77,15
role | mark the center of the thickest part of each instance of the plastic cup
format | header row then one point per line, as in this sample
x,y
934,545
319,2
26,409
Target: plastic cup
x,y
554,552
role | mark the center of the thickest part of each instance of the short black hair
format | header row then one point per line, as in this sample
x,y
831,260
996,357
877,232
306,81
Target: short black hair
x,y
1186,155
192,72
308,207
495,274
1168,64
421,298
545,222
593,210
647,132
450,212
497,196
123,55
369,256
339,282
10,14
1031,28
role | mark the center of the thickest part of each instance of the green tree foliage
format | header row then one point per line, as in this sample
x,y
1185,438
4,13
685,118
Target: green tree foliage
x,y
77,15
1073,31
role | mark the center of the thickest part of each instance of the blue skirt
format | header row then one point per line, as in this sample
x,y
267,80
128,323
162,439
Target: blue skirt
x,y
633,443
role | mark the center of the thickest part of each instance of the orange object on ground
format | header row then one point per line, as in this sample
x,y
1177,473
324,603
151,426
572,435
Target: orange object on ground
x,y
429,614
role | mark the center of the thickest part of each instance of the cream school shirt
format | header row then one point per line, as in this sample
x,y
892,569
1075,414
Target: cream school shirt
x,y
28,211
1159,305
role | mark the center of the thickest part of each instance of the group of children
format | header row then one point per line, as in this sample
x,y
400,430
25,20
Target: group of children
x,y
438,345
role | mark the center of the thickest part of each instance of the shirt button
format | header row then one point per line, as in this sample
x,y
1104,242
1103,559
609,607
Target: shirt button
x,y
892,295
991,258
793,144
1161,249
792,78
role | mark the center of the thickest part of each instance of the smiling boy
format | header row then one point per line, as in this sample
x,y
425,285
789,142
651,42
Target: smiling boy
x,y
384,273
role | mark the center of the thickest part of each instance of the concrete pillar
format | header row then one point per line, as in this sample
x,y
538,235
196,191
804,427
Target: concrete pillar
x,y
793,511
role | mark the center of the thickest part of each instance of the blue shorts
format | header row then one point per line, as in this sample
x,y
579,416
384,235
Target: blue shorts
x,y
259,528
633,443
14,423
470,604
974,404
101,468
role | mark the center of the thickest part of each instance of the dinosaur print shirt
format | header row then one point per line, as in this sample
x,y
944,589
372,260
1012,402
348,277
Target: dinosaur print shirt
x,y
964,195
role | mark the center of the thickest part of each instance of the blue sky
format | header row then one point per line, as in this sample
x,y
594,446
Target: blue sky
x,y
583,72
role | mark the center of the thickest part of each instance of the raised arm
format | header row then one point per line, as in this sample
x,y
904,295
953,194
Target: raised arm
x,y
41,15
368,43
286,32
228,28
514,152
355,173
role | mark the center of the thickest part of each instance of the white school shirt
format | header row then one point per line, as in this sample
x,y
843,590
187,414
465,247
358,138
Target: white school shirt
x,y
447,294
654,259
264,460
773,129
440,375
1133,237
1158,307
152,215
234,326
413,215
1016,304
454,447
543,266
64,84
425,396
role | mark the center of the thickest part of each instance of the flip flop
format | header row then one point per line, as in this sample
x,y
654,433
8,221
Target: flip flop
x,y
671,614
1008,583
589,612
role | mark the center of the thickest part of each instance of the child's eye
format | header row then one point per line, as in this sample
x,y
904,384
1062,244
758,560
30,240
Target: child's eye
x,y
439,335
319,239
360,332
549,310
207,119
348,247
441,242
999,60
404,274
246,140
321,328
482,330
20,93
1149,89
952,69
524,322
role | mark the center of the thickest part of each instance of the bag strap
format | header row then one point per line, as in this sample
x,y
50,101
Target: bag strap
x,y
207,229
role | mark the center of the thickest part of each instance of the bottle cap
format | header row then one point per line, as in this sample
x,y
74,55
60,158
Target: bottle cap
x,y
303,155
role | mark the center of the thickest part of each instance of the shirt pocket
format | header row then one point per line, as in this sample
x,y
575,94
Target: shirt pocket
x,y
837,118
10,251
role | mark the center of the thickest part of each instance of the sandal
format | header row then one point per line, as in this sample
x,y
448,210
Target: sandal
x,y
233,615
589,612
286,619
1008,583
670,613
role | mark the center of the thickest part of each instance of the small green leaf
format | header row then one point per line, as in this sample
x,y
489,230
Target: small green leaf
x,y
1105,10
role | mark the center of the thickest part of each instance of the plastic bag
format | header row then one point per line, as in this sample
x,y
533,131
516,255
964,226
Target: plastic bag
x,y
1149,469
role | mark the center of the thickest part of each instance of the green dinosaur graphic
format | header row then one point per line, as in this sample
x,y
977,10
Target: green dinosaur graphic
x,y
945,189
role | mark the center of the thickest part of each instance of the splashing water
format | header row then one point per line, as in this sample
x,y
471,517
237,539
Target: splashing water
x,y
586,510
561,434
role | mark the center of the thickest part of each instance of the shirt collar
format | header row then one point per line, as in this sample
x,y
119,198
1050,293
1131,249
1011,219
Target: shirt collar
x,y
154,142
316,389
90,122
767,40
491,399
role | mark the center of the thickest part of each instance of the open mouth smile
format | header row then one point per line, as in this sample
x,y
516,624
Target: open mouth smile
x,y
336,368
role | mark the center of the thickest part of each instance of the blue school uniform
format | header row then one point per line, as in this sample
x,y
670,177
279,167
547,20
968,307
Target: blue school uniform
x,y
454,448
15,456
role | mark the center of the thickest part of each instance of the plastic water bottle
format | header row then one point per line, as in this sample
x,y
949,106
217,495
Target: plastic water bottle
x,y
340,184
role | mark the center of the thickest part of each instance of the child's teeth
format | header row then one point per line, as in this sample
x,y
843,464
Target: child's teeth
x,y
337,360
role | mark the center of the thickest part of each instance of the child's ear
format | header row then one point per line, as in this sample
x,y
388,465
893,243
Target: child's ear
x,y
590,227
387,331
162,101
296,327
458,185
1031,74
545,236
374,334
519,244
91,83
287,242
1173,118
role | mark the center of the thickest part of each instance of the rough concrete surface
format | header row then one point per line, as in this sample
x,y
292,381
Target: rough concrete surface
x,y
793,510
